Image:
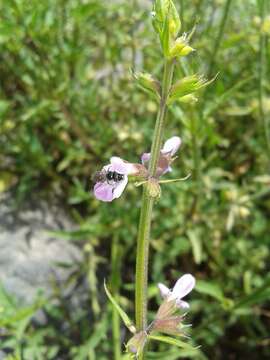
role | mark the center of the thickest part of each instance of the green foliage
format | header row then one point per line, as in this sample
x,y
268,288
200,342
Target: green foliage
x,y
68,103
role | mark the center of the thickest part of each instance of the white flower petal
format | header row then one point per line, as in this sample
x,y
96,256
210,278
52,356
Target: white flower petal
x,y
171,145
122,167
164,291
120,187
118,165
183,286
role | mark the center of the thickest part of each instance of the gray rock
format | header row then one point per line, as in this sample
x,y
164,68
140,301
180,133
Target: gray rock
x,y
29,255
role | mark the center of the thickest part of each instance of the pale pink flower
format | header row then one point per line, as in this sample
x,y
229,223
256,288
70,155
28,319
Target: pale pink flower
x,y
113,179
182,287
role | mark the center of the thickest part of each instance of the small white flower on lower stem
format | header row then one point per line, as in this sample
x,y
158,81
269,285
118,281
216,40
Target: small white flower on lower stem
x,y
182,287
167,320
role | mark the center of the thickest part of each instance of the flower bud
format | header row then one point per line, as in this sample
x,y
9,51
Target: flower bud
x,y
243,212
180,47
153,188
137,343
170,325
174,20
166,22
187,86
165,10
148,82
188,99
167,309
266,26
166,321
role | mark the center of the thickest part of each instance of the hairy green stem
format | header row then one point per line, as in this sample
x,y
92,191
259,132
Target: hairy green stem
x,y
147,208
115,283
142,260
159,127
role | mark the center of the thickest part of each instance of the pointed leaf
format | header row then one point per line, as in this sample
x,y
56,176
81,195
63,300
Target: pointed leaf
x,y
172,341
175,23
196,245
121,312
160,9
165,37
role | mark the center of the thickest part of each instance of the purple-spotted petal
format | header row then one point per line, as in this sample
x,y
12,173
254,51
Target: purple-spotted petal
x,y
172,145
119,188
164,291
183,286
103,191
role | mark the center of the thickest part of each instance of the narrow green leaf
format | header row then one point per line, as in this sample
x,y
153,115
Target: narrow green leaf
x,y
165,37
172,341
196,245
121,312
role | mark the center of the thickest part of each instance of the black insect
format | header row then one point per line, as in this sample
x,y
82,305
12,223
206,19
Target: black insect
x,y
108,176
115,176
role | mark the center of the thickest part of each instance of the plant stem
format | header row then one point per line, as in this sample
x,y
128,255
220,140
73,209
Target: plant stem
x,y
262,10
159,127
115,278
142,260
147,207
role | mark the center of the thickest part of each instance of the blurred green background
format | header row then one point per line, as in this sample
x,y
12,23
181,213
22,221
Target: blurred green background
x,y
68,102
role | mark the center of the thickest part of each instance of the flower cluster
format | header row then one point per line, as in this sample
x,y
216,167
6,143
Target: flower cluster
x,y
112,180
168,320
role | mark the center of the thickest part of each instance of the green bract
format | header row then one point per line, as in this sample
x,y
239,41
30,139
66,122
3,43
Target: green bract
x,y
166,23
184,88
148,83
180,47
